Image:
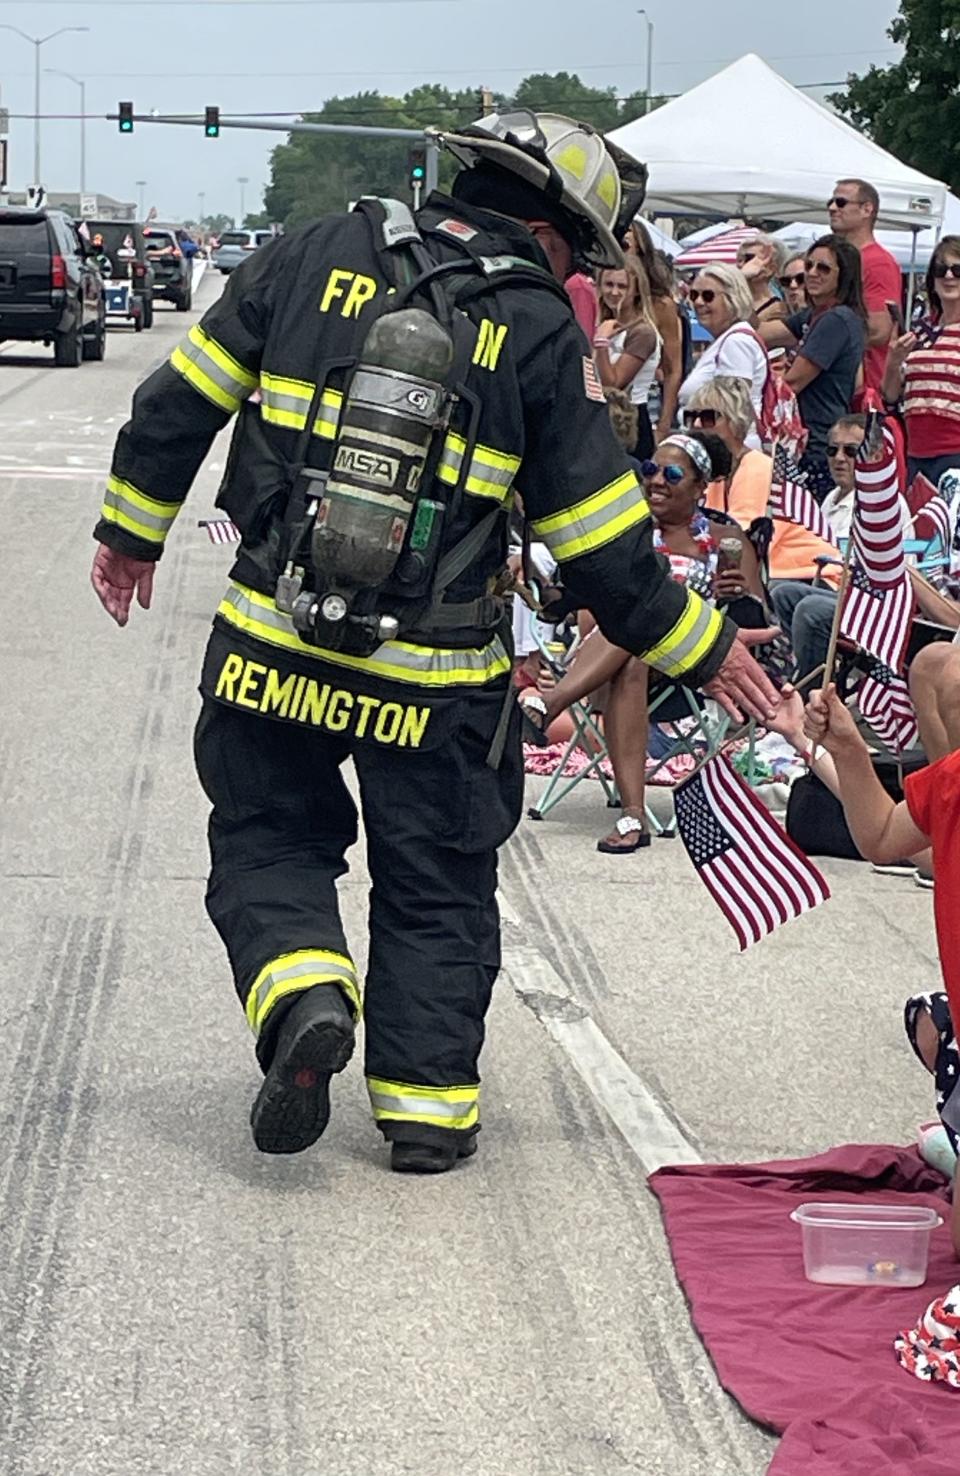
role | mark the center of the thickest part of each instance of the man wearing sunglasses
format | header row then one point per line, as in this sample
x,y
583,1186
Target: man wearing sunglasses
x,y
854,208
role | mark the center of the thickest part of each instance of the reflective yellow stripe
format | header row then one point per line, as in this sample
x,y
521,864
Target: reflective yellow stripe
x,y
292,972
285,401
594,522
397,661
210,370
328,417
127,507
490,474
691,639
455,1108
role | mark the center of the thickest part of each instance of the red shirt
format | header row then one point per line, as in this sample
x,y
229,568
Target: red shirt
x,y
933,799
881,283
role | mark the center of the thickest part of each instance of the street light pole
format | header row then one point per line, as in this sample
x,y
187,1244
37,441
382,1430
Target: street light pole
x,y
36,42
202,195
141,185
55,72
242,181
649,22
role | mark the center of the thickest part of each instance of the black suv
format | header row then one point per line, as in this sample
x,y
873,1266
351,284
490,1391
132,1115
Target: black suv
x,y
173,272
50,290
125,244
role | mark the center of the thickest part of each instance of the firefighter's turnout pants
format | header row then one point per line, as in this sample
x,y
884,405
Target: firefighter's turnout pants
x,y
282,822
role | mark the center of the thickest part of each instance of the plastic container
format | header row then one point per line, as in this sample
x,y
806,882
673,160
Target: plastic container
x,y
866,1244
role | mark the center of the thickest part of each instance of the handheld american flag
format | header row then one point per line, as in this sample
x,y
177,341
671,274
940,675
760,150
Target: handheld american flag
x,y
792,500
749,865
884,701
220,530
931,513
879,603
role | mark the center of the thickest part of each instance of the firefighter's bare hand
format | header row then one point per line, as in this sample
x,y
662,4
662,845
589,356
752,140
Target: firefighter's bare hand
x,y
741,686
116,578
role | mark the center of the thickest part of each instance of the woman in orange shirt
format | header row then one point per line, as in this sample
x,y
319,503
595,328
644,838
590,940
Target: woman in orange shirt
x,y
725,407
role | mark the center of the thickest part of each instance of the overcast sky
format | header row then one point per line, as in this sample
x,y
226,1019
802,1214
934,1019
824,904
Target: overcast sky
x,y
289,55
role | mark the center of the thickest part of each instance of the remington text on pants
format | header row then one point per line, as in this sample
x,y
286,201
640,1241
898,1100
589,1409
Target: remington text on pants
x,y
302,699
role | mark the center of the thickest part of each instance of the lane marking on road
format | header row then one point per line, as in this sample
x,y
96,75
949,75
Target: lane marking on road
x,y
53,473
648,1129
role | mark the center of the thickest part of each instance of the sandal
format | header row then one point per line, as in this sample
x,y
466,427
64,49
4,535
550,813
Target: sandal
x,y
626,825
531,702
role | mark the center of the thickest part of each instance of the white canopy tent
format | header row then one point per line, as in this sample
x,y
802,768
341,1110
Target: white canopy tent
x,y
747,143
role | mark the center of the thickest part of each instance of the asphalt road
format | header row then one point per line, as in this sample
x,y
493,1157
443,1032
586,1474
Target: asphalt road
x,y
171,1302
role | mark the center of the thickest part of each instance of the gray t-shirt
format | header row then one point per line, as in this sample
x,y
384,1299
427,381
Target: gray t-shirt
x,y
834,341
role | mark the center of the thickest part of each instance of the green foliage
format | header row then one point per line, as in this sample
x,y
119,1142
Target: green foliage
x,y
912,108
313,175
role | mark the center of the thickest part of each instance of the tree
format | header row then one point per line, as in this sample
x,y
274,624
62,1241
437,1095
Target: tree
x,y
313,175
912,108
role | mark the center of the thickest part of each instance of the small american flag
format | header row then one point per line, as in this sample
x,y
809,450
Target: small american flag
x,y
220,530
879,602
591,381
791,500
931,513
884,701
752,869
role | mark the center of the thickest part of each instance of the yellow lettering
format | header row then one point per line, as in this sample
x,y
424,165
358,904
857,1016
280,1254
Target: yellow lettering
x,y
338,713
314,703
489,344
366,704
246,696
389,719
360,293
276,694
415,721
336,282
226,681
295,704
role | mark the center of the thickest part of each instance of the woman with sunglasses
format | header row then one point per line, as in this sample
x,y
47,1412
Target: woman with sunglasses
x,y
724,408
923,369
791,280
721,298
676,479
830,336
627,344
759,259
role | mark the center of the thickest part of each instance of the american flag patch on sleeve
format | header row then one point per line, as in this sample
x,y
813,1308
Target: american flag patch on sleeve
x,y
591,381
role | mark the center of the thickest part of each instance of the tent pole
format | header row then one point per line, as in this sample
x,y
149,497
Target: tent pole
x,y
910,282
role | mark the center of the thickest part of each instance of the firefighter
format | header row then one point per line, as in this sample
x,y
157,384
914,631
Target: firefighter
x,y
423,707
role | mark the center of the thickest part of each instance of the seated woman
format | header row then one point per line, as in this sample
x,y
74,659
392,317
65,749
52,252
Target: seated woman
x,y
676,481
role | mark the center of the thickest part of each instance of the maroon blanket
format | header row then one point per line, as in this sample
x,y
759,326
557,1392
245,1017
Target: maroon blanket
x,y
816,1363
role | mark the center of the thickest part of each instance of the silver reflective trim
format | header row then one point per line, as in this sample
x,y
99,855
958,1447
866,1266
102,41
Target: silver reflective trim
x,y
118,503
420,1106
678,657
198,354
320,971
585,527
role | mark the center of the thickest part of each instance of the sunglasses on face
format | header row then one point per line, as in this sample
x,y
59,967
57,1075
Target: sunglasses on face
x,y
745,257
845,447
842,201
672,474
702,294
944,269
700,417
821,268
797,280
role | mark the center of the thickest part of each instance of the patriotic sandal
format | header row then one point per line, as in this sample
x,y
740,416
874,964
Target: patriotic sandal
x,y
627,825
534,732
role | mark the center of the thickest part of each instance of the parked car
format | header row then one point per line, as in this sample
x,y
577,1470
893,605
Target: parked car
x,y
173,272
236,246
130,288
50,290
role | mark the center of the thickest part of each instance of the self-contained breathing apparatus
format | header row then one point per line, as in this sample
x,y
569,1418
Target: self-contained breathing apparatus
x,y
373,523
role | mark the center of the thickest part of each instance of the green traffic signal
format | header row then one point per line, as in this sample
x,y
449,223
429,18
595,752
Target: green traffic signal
x,y
418,173
211,125
126,117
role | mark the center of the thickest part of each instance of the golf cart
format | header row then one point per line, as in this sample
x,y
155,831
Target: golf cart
x,y
128,285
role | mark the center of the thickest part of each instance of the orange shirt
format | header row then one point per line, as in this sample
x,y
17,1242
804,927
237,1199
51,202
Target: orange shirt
x,y
749,490
792,554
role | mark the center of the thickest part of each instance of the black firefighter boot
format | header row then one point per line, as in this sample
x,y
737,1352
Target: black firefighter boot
x,y
314,1041
431,1158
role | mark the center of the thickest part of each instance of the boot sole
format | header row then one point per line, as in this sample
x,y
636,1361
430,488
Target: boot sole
x,y
293,1106
433,1165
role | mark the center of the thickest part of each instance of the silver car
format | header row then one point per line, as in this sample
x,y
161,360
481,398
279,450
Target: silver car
x,y
236,246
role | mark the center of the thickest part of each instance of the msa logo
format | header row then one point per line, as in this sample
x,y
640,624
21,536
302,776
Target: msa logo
x,y
371,465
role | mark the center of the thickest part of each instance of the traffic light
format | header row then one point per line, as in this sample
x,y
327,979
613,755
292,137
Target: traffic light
x,y
418,167
126,117
211,126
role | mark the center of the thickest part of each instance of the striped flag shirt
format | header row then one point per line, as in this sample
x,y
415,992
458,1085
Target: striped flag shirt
x,y
791,500
879,602
749,865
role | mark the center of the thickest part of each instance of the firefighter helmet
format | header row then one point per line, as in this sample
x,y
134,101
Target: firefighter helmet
x,y
570,162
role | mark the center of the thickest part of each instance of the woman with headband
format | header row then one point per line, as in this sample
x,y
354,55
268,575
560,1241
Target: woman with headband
x,y
676,480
